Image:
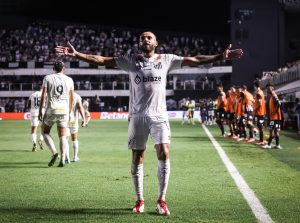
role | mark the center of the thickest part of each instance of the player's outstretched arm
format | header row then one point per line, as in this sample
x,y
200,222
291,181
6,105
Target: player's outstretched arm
x,y
70,51
228,54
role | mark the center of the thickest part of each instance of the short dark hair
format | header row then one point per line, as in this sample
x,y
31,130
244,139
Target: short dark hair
x,y
244,87
58,66
270,85
256,83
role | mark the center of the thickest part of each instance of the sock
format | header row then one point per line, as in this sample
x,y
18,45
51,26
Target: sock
x,y
63,144
33,138
261,134
237,132
75,147
137,174
251,132
41,137
277,140
270,140
231,129
245,133
87,120
49,142
163,174
67,151
222,128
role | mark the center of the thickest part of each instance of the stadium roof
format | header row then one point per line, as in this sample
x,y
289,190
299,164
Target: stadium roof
x,y
209,18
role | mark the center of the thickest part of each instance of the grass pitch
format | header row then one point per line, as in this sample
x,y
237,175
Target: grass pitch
x,y
98,188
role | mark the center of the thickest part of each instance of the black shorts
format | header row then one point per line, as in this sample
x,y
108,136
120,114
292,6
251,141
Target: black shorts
x,y
274,124
231,116
221,114
241,121
249,116
259,120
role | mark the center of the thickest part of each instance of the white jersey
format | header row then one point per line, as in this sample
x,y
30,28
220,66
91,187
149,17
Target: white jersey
x,y
58,88
85,105
147,78
35,100
75,111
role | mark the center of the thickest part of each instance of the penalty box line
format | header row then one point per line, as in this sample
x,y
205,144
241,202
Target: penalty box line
x,y
257,208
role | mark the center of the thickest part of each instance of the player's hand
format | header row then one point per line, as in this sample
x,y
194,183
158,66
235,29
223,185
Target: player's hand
x,y
82,123
229,54
68,50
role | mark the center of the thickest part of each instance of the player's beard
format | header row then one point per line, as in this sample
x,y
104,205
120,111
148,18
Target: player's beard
x,y
147,48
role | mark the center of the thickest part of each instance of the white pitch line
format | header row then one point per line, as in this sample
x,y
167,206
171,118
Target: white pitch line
x,y
257,208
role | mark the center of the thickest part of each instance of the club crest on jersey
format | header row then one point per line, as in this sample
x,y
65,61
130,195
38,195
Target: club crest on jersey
x,y
137,79
157,65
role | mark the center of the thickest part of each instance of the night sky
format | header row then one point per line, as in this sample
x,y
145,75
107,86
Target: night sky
x,y
208,18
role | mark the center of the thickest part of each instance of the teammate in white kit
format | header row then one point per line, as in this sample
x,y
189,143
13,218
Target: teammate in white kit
x,y
59,90
72,129
147,105
34,104
87,114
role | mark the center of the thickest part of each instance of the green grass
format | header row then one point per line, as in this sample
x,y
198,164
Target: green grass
x,y
99,187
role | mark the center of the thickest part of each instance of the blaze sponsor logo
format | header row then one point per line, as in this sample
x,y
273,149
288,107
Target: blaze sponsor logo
x,y
138,79
152,79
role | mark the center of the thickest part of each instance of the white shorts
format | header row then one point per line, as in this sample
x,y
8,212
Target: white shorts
x,y
34,121
60,120
139,129
72,128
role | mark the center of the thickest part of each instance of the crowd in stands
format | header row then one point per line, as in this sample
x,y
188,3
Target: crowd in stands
x,y
37,41
280,70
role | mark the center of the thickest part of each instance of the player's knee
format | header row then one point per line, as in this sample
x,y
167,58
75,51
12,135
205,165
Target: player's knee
x,y
137,156
162,151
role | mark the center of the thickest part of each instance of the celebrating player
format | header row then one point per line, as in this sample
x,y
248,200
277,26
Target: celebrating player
x,y
147,105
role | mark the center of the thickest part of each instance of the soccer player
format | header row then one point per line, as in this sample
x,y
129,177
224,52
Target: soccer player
x,y
34,104
275,117
221,109
259,111
87,114
72,129
147,105
248,102
232,100
191,110
209,107
59,90
184,107
240,116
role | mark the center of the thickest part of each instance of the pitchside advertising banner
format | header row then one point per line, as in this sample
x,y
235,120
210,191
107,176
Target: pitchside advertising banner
x,y
94,115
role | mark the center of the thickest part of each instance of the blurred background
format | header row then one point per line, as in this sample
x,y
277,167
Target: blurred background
x,y
267,31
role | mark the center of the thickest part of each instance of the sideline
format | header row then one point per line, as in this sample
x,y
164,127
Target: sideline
x,y
257,208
